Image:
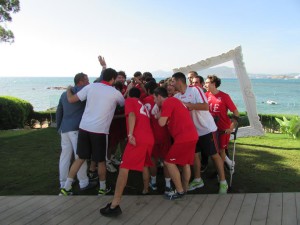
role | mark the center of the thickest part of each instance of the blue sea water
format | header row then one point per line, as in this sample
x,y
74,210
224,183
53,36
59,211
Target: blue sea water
x,y
285,92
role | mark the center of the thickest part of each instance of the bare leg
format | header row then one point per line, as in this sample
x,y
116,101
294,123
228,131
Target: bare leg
x,y
75,167
186,175
175,176
222,154
102,171
120,185
153,169
197,166
92,166
146,179
220,165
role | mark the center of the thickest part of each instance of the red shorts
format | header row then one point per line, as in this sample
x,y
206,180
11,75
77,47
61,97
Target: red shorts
x,y
182,153
160,150
137,157
224,141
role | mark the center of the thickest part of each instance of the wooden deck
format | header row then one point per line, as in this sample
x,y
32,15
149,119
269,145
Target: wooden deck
x,y
254,209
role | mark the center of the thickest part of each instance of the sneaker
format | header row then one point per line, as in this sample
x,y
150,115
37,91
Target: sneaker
x,y
195,184
168,190
64,192
115,161
89,186
93,175
203,168
110,167
103,192
153,186
173,195
109,212
223,188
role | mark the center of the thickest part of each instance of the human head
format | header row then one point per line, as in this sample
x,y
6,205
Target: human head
x,y
109,75
212,80
81,79
178,80
160,94
150,87
198,81
171,90
146,76
121,77
118,85
134,92
191,75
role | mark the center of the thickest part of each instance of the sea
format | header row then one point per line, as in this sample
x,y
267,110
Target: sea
x,y
43,94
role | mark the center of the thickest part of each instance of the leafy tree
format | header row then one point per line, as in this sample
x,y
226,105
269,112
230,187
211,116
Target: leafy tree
x,y
6,8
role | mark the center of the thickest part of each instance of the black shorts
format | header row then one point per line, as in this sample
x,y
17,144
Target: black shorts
x,y
92,146
208,144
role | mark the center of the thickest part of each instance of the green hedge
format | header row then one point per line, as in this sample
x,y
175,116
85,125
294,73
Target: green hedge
x,y
14,112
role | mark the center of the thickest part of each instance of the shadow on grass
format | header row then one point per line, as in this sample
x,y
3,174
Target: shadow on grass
x,y
268,146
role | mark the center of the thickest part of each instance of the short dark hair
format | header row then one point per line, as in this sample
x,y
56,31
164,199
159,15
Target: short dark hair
x,y
137,74
109,74
194,72
147,75
180,76
122,73
200,78
161,91
118,85
214,79
78,77
150,86
134,92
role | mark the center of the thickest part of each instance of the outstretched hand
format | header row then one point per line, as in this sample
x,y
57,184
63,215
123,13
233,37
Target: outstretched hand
x,y
101,61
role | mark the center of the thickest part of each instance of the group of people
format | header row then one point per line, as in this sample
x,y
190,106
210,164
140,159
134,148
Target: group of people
x,y
171,121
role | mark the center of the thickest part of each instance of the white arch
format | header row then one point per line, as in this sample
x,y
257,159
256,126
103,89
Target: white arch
x,y
235,55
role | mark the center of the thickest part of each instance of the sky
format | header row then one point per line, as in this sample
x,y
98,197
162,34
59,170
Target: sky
x,y
62,38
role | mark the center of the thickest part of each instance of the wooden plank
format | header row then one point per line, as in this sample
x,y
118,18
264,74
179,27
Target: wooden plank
x,y
145,210
187,213
246,211
14,210
233,209
289,212
261,209
85,201
204,210
18,217
65,203
96,218
11,202
218,210
56,201
275,209
176,207
158,212
298,207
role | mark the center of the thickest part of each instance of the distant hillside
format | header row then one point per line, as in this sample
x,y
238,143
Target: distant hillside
x,y
226,72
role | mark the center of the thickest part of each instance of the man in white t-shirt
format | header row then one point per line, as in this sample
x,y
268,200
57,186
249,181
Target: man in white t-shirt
x,y
195,100
101,101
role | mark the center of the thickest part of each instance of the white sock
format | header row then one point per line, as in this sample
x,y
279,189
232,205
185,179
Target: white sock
x,y
223,182
197,179
68,184
168,182
103,185
153,180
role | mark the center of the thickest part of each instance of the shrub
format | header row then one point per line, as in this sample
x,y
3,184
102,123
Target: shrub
x,y
290,127
14,112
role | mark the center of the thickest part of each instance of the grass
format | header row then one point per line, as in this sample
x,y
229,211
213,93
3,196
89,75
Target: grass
x,y
29,165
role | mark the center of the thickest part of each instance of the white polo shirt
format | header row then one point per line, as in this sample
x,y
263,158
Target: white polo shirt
x,y
101,101
203,120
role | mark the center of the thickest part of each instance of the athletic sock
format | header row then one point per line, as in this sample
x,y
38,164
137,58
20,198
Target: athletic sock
x,y
68,184
223,182
197,179
153,180
168,182
103,185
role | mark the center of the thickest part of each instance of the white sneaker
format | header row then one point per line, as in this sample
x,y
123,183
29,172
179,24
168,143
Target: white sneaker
x,y
115,161
110,167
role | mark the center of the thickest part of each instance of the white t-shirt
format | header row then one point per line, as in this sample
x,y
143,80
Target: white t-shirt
x,y
203,120
101,102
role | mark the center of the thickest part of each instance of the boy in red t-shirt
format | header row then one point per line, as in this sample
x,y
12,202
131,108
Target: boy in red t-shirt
x,y
138,149
182,129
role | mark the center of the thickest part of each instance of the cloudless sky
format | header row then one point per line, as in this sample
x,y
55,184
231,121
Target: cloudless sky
x,y
64,37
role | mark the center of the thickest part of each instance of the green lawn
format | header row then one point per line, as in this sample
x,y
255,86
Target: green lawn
x,y
29,165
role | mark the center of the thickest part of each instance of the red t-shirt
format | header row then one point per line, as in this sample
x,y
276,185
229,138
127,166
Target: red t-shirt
x,y
161,134
142,129
219,104
180,123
